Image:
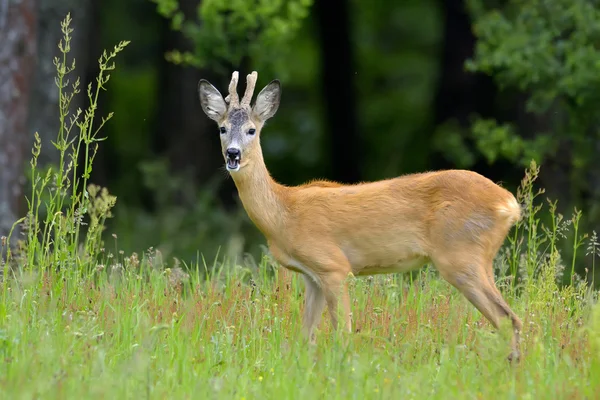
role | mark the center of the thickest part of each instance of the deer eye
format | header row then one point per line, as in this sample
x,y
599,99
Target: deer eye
x,y
251,131
223,130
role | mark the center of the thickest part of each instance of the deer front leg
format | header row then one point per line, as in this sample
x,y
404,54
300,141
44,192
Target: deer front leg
x,y
314,303
335,289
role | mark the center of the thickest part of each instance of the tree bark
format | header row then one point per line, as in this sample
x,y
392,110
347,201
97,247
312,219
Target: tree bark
x,y
17,60
337,61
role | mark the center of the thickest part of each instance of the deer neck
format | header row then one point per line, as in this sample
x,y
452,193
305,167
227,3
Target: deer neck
x,y
262,197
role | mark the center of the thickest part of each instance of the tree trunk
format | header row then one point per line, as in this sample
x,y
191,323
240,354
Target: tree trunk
x,y
43,108
17,60
333,18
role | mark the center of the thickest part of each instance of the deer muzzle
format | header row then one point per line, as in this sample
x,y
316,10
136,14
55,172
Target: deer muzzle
x,y
233,157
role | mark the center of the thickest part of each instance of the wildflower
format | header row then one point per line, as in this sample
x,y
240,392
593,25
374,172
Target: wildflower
x,y
260,378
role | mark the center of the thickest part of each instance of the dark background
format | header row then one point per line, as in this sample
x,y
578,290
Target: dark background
x,y
371,90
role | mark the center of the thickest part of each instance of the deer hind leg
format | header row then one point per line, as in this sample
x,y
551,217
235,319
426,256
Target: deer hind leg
x,y
496,298
471,277
314,303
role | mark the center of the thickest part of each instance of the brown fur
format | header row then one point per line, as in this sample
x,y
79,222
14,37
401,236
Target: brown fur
x,y
320,183
455,219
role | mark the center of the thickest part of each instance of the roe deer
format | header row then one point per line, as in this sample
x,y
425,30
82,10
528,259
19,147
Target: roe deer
x,y
455,219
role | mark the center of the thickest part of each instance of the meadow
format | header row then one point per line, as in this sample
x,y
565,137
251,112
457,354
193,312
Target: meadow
x,y
79,318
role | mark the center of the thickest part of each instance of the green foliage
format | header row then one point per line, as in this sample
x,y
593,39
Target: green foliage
x,y
549,51
549,47
500,140
225,32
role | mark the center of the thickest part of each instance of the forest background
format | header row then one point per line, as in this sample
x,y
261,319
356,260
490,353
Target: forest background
x,y
371,90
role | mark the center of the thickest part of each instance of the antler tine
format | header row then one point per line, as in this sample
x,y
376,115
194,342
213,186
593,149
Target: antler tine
x,y
232,98
250,84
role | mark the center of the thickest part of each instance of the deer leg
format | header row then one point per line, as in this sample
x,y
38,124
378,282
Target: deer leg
x,y
336,295
474,283
496,298
314,303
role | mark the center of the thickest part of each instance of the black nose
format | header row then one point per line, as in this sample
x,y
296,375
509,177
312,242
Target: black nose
x,y
233,153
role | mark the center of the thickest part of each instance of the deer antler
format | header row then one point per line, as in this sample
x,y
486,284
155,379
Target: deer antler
x,y
232,98
250,84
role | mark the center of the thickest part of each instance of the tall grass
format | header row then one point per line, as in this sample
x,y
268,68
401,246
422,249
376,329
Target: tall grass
x,y
80,318
61,202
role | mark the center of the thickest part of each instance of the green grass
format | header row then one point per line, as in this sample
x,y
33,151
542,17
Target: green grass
x,y
136,333
78,318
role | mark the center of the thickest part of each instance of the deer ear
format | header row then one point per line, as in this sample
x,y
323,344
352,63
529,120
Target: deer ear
x,y
267,101
211,100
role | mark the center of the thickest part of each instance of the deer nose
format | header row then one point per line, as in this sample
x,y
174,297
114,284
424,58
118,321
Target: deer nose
x,y
233,153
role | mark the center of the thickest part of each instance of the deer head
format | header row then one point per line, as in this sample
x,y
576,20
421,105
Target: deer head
x,y
239,123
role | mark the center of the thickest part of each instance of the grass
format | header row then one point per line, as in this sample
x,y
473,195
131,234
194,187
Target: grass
x,y
78,318
141,332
